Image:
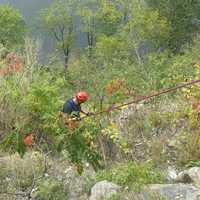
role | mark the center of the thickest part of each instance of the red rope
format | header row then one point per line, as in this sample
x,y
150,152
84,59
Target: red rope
x,y
147,97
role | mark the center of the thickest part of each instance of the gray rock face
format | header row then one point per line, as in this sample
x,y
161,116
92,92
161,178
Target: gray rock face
x,y
176,191
103,189
191,175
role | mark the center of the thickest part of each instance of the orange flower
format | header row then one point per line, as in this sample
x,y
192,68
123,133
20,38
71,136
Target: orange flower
x,y
28,140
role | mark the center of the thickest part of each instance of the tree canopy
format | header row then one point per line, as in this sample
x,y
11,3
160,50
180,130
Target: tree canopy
x,y
12,26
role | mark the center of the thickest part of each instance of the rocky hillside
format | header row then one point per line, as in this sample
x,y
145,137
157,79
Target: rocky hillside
x,y
155,172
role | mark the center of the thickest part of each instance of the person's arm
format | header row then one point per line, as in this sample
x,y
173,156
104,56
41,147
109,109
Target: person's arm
x,y
87,113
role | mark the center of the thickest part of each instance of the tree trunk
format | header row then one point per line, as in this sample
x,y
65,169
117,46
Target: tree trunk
x,y
66,65
66,52
90,42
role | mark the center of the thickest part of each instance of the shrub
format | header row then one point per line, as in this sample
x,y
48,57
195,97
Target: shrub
x,y
50,189
131,175
20,173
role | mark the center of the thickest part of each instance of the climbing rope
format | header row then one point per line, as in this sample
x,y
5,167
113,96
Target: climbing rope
x,y
145,98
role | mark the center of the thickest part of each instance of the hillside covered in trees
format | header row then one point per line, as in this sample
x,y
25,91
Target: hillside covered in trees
x,y
134,48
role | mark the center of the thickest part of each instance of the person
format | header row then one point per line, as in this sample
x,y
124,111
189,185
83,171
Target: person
x,y
72,109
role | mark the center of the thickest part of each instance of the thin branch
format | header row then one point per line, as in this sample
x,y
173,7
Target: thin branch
x,y
56,35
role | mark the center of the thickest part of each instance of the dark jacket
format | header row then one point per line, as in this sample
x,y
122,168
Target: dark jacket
x,y
70,106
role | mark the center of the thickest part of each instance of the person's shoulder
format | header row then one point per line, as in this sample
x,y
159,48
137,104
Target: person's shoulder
x,y
69,100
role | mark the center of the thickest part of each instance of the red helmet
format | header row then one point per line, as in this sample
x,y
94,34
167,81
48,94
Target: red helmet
x,y
82,96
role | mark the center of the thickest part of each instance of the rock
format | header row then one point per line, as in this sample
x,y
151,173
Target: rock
x,y
191,175
176,191
171,174
162,191
103,189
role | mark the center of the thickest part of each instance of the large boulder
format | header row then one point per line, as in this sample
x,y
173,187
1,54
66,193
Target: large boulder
x,y
103,189
191,175
176,191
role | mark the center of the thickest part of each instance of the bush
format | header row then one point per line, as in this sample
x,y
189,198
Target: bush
x,y
80,143
131,175
50,189
19,174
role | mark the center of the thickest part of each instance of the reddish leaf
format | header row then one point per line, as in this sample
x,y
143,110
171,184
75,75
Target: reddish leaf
x,y
28,141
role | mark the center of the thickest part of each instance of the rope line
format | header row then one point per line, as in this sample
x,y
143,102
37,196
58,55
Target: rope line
x,y
146,97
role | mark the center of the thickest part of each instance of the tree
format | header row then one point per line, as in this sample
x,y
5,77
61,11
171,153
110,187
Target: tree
x,y
182,15
99,18
125,6
109,18
57,20
89,22
145,25
12,26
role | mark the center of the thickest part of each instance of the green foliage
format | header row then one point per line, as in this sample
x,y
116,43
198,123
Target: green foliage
x,y
81,144
3,52
109,48
146,25
58,14
131,175
40,104
88,25
57,21
195,163
50,189
18,174
14,142
12,88
186,67
113,133
84,74
12,26
99,18
108,18
188,148
183,66
114,71
43,102
181,15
